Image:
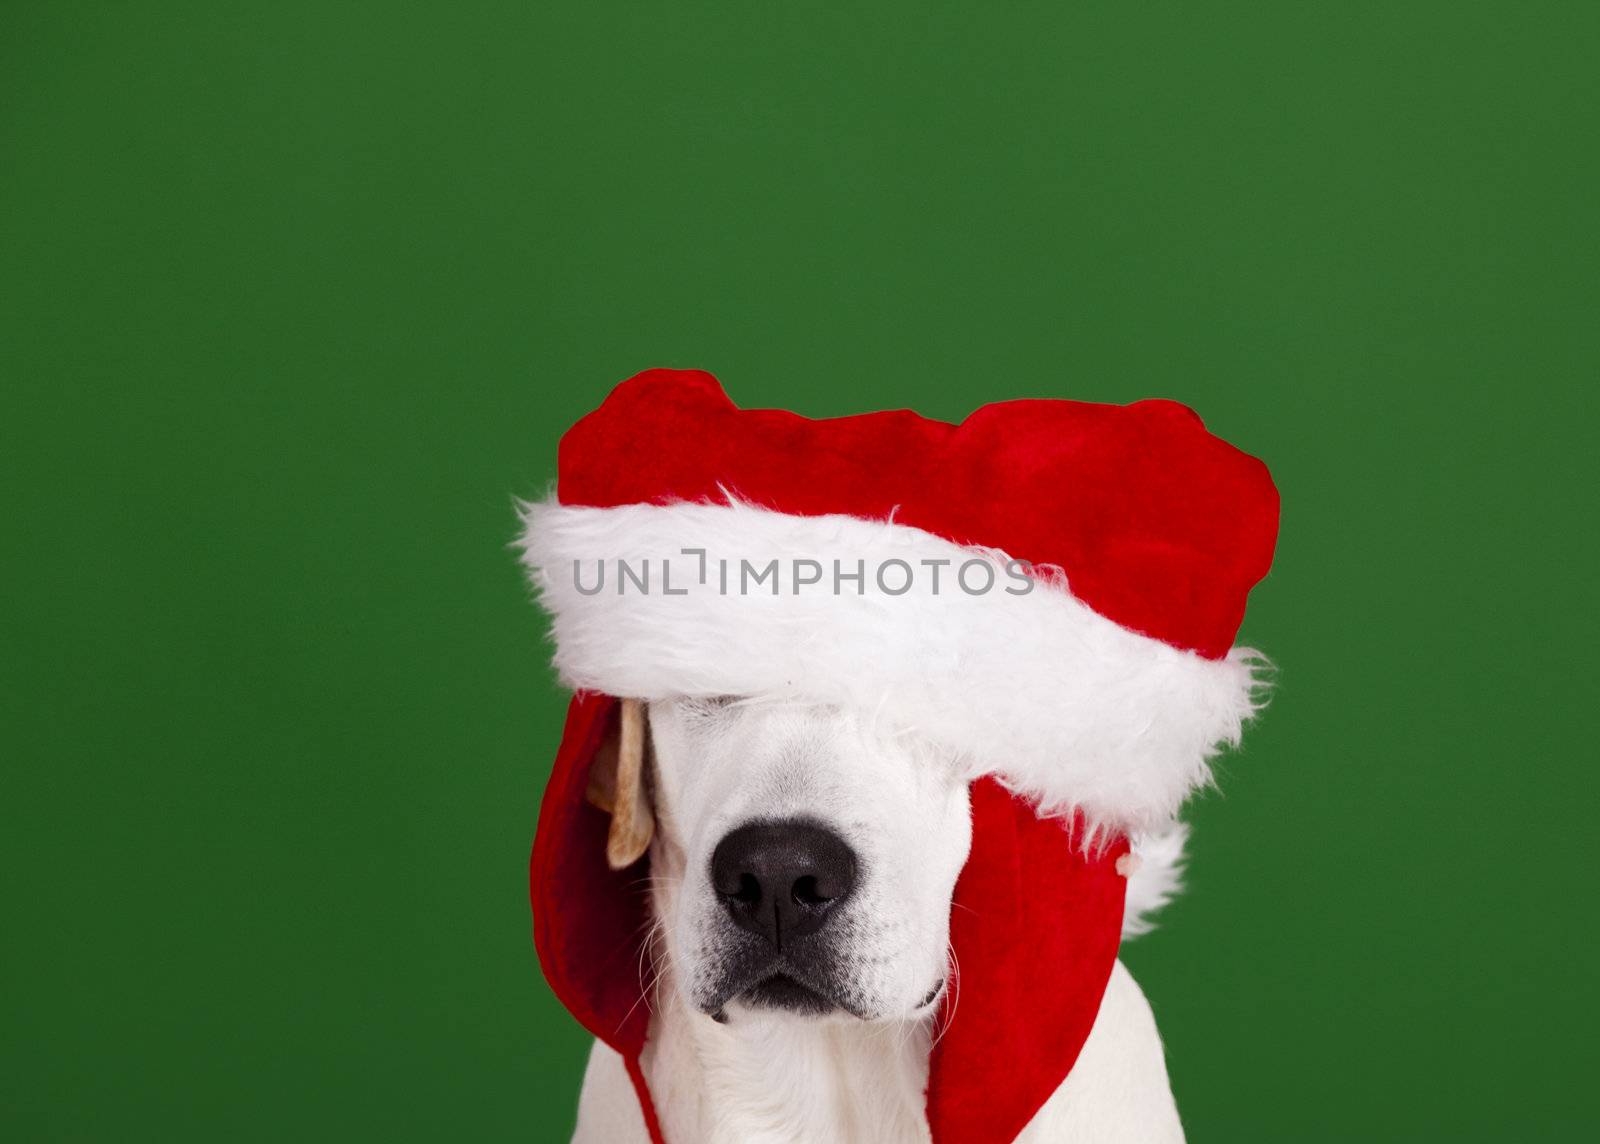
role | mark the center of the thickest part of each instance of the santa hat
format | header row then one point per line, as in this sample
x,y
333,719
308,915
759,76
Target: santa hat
x,y
1050,590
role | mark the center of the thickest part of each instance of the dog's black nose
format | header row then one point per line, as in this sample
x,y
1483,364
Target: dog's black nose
x,y
780,880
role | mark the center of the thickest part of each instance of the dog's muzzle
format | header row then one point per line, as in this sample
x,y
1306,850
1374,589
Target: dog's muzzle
x,y
781,884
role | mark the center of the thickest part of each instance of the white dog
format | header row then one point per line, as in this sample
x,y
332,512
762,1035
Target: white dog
x,y
802,867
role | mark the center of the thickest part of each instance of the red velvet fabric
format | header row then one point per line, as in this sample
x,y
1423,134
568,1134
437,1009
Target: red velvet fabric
x,y
589,920
1158,525
1035,928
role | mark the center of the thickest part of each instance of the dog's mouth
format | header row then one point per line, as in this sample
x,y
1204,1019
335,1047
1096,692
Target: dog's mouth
x,y
931,996
780,991
780,985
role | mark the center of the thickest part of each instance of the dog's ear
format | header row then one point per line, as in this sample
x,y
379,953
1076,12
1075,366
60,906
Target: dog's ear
x,y
619,784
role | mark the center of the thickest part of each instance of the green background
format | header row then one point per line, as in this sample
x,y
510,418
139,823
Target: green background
x,y
297,296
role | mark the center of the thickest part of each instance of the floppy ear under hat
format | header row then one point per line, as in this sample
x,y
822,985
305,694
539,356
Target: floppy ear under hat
x,y
1050,590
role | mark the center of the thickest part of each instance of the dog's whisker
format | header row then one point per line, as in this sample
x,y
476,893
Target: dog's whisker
x,y
647,950
947,1011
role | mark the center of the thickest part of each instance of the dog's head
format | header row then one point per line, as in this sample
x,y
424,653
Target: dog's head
x,y
803,860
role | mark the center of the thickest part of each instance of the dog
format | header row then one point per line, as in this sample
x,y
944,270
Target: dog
x,y
802,864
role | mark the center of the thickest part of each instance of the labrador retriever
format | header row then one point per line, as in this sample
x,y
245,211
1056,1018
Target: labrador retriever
x,y
802,866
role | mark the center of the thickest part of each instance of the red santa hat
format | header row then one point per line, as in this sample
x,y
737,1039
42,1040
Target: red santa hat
x,y
1050,590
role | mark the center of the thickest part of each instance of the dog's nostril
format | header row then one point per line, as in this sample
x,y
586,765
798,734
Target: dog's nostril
x,y
807,892
749,891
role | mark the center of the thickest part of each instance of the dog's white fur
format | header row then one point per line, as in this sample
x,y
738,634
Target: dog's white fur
x,y
769,1076
897,802
780,1081
1059,702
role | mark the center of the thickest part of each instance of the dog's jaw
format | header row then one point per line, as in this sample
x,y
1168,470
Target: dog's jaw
x,y
770,1074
